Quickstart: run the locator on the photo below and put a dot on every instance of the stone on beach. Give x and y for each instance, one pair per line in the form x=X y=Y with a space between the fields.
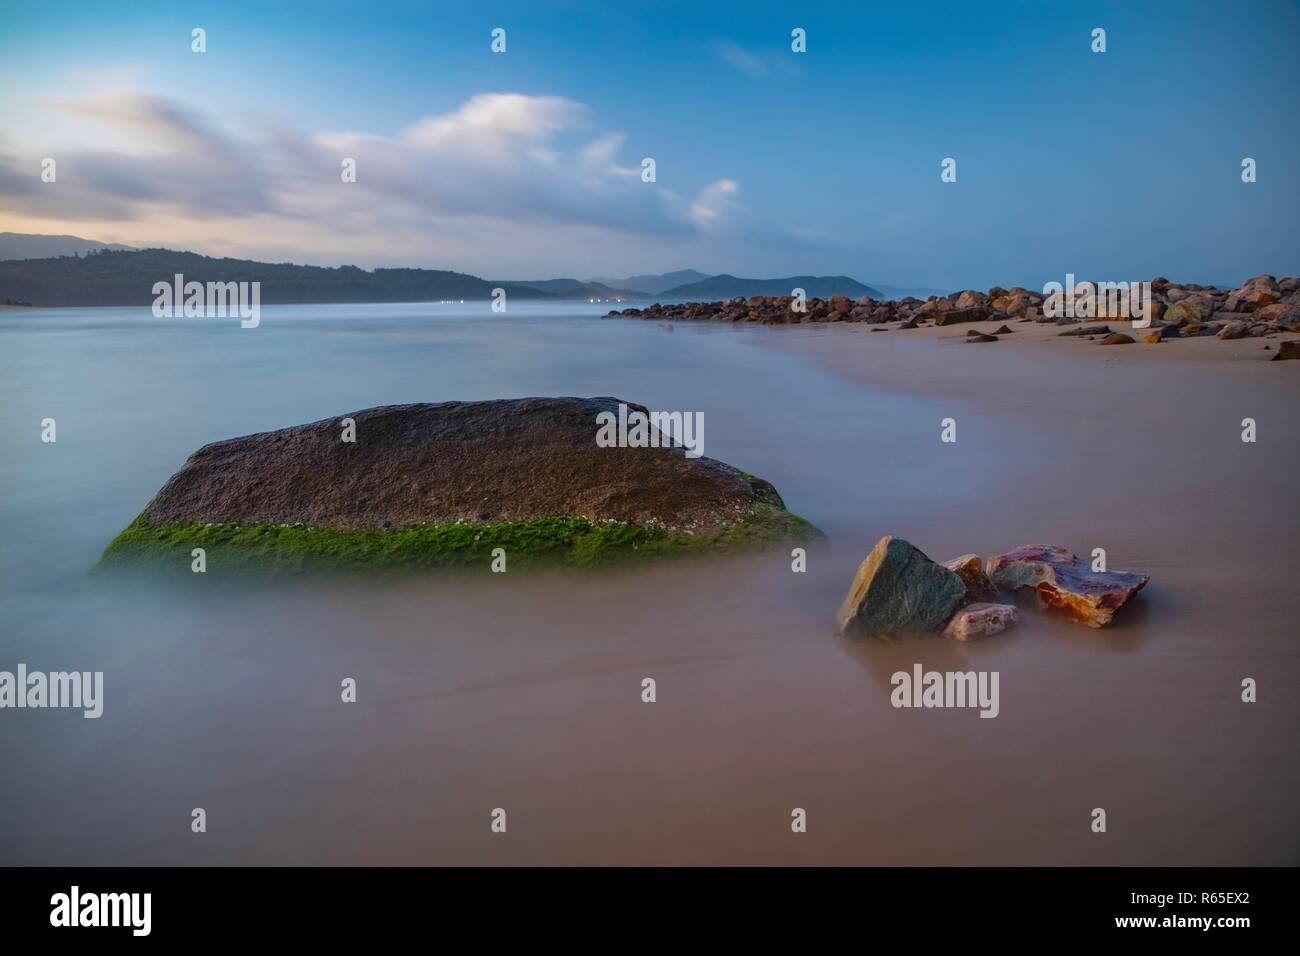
x=1064 y=583
x=450 y=474
x=899 y=592
x=954 y=316
x=970 y=568
x=1118 y=338
x=981 y=620
x=1287 y=350
x=1190 y=310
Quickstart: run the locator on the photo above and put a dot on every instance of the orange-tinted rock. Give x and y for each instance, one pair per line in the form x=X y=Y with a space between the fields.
x=970 y=568
x=1191 y=309
x=1064 y=583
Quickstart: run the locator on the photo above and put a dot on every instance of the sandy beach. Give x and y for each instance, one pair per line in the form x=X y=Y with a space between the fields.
x=522 y=692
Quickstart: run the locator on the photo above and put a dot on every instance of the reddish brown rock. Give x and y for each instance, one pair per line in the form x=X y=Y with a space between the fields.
x=954 y=316
x=1287 y=350
x=935 y=304
x=1064 y=583
x=981 y=620
x=1118 y=338
x=970 y=568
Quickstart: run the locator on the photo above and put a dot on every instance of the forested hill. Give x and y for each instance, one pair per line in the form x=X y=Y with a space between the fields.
x=127 y=278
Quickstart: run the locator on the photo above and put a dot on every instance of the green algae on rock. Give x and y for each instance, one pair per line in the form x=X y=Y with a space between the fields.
x=443 y=485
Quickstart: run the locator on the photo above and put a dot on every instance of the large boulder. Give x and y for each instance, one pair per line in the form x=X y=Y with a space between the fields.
x=899 y=592
x=434 y=484
x=1064 y=583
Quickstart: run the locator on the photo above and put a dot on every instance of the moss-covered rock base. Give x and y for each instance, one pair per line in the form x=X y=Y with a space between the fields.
x=273 y=550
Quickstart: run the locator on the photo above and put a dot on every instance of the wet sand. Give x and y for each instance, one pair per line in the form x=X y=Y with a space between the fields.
x=524 y=692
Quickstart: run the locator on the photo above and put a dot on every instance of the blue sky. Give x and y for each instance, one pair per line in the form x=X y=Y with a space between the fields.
x=1120 y=165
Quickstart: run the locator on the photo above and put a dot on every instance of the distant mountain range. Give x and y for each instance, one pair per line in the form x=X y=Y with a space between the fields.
x=82 y=272
x=24 y=245
x=726 y=287
x=574 y=289
x=127 y=278
x=688 y=284
x=654 y=284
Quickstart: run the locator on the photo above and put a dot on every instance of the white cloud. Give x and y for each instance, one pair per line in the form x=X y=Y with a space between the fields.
x=504 y=180
x=737 y=57
x=715 y=204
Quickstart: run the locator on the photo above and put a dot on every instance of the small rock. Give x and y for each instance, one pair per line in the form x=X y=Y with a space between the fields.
x=1002 y=330
x=1064 y=583
x=980 y=337
x=1118 y=338
x=1087 y=330
x=981 y=620
x=899 y=592
x=953 y=316
x=1287 y=350
x=970 y=568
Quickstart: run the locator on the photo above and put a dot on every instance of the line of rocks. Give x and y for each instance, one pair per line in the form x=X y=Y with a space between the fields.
x=899 y=592
x=1262 y=306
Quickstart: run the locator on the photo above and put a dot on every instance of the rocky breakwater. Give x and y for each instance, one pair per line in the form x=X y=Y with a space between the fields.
x=899 y=592
x=1261 y=307
x=436 y=485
